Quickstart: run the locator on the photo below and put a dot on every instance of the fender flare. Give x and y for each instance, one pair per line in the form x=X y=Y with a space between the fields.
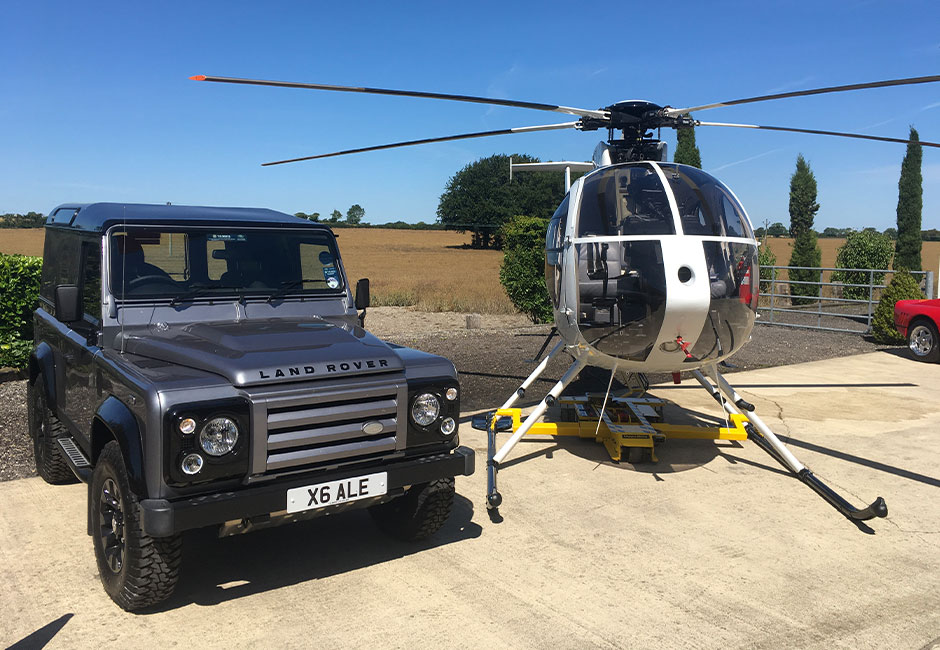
x=42 y=361
x=123 y=426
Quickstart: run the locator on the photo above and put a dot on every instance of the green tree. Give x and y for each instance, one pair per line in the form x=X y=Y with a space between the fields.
x=806 y=251
x=521 y=272
x=354 y=214
x=480 y=198
x=313 y=216
x=891 y=233
x=335 y=216
x=777 y=229
x=868 y=249
x=910 y=207
x=687 y=152
x=903 y=286
x=803 y=206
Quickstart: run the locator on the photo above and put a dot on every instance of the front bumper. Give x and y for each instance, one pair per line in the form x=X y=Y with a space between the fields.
x=161 y=517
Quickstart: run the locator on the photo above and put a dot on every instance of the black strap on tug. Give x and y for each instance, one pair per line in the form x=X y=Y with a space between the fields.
x=878 y=507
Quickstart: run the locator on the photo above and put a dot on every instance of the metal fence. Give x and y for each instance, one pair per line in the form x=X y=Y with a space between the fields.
x=829 y=309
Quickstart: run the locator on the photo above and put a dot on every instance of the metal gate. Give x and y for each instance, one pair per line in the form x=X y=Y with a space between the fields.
x=829 y=309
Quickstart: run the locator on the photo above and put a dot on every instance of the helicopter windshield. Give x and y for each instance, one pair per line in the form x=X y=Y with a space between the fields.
x=625 y=200
x=706 y=206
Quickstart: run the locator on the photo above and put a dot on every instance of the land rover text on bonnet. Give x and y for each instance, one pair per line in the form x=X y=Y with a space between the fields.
x=209 y=367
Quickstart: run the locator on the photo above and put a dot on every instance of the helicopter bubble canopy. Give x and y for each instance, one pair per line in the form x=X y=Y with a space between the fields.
x=651 y=263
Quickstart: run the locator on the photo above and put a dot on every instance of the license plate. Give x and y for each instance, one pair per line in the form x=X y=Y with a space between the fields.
x=332 y=493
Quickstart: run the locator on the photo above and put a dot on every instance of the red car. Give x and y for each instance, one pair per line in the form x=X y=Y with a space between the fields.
x=918 y=321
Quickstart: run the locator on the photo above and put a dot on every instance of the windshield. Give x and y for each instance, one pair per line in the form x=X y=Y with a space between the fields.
x=625 y=200
x=153 y=262
x=706 y=206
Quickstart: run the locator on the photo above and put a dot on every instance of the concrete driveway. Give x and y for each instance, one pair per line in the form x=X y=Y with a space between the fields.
x=714 y=547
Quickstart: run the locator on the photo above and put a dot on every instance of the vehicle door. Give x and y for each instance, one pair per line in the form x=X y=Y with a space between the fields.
x=81 y=344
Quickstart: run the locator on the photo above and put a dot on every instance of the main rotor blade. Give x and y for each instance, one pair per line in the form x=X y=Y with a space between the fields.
x=815 y=132
x=463 y=136
x=580 y=112
x=673 y=112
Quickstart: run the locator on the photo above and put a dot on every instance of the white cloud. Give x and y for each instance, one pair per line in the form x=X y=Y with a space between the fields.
x=744 y=160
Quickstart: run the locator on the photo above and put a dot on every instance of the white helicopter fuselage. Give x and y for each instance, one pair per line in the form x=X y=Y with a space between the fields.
x=652 y=267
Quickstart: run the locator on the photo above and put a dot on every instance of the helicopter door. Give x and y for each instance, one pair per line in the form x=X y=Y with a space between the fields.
x=620 y=274
x=554 y=252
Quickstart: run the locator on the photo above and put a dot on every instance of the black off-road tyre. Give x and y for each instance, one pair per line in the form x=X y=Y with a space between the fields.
x=418 y=513
x=44 y=428
x=923 y=340
x=137 y=570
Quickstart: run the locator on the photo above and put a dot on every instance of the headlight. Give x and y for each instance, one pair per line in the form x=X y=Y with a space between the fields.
x=191 y=464
x=218 y=436
x=425 y=409
x=448 y=426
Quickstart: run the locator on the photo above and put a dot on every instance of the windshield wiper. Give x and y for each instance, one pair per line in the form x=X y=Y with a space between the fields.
x=194 y=291
x=289 y=285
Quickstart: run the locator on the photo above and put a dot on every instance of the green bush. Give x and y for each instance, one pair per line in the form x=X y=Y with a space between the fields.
x=805 y=253
x=903 y=286
x=867 y=249
x=765 y=259
x=19 y=291
x=522 y=272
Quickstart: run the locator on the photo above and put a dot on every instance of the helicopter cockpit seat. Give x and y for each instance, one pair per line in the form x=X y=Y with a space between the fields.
x=692 y=225
x=599 y=268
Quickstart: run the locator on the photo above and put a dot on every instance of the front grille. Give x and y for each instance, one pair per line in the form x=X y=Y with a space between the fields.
x=316 y=424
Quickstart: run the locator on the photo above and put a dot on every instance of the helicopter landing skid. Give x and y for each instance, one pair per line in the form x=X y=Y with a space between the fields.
x=761 y=434
x=632 y=422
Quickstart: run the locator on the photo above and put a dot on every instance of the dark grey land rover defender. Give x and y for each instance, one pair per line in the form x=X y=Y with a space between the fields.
x=208 y=367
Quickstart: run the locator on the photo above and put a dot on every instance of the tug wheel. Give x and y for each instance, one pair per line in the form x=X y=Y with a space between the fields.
x=494 y=500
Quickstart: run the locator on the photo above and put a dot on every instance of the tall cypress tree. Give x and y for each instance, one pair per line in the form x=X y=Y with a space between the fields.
x=687 y=152
x=803 y=208
x=910 y=207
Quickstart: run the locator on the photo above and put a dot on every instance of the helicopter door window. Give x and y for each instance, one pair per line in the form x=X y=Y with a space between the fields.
x=554 y=239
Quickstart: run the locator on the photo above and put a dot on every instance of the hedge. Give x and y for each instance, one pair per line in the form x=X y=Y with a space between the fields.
x=19 y=292
x=522 y=273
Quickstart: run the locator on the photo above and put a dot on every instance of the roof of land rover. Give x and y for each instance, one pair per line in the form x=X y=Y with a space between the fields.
x=98 y=217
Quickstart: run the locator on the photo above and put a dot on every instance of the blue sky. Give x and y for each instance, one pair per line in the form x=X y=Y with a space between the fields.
x=97 y=105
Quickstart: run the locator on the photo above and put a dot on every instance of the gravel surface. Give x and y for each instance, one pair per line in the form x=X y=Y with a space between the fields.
x=492 y=361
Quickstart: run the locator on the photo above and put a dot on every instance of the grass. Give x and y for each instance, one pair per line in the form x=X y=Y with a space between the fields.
x=432 y=270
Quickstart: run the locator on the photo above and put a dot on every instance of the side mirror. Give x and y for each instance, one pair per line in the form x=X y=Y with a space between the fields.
x=68 y=303
x=362 y=293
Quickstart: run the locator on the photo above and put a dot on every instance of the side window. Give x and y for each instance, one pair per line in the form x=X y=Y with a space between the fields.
x=60 y=261
x=63 y=216
x=91 y=279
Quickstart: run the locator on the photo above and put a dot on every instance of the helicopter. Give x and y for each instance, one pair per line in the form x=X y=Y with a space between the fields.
x=651 y=266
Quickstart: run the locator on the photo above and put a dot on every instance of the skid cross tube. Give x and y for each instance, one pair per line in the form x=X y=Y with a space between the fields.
x=494 y=458
x=761 y=434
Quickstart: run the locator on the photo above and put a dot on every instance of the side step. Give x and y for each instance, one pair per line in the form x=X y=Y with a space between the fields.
x=75 y=458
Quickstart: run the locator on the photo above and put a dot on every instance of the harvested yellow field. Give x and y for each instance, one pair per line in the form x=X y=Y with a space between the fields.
x=22 y=241
x=782 y=247
x=427 y=268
